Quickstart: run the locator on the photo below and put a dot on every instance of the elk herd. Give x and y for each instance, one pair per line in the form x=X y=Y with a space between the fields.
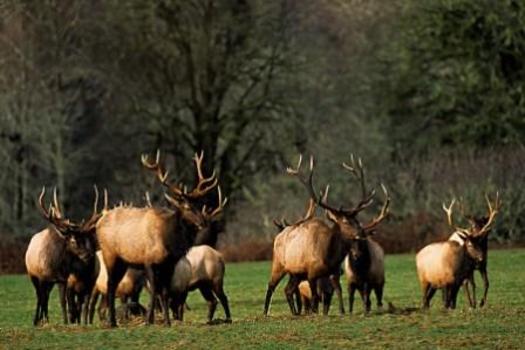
x=119 y=251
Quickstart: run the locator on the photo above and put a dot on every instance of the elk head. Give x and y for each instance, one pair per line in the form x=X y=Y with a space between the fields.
x=479 y=226
x=185 y=201
x=345 y=218
x=79 y=237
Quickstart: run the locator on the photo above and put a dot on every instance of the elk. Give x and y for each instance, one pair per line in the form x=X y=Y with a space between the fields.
x=63 y=248
x=303 y=294
x=447 y=264
x=312 y=249
x=202 y=268
x=128 y=289
x=476 y=224
x=365 y=263
x=151 y=238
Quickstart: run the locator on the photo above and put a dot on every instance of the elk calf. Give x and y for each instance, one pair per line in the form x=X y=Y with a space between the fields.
x=202 y=268
x=447 y=264
x=56 y=252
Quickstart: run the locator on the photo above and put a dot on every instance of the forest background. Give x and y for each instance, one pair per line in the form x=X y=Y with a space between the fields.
x=429 y=93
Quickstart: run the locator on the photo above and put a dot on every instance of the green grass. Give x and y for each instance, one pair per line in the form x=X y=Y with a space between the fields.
x=499 y=325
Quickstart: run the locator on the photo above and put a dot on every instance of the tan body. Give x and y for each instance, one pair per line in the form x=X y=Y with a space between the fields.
x=48 y=261
x=201 y=268
x=143 y=238
x=365 y=271
x=129 y=288
x=445 y=265
x=309 y=250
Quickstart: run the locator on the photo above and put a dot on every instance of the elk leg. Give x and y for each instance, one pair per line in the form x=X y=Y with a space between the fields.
x=115 y=274
x=453 y=295
x=291 y=287
x=274 y=281
x=218 y=289
x=378 y=290
x=315 y=295
x=428 y=293
x=102 y=307
x=327 y=299
x=351 y=295
x=71 y=305
x=49 y=287
x=336 y=284
x=62 y=293
x=153 y=286
x=207 y=294
x=470 y=297
x=299 y=301
x=85 y=307
x=485 y=276
x=92 y=303
x=38 y=292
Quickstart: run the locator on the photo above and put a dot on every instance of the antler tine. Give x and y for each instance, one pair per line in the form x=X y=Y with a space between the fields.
x=358 y=171
x=46 y=213
x=493 y=211
x=105 y=200
x=219 y=208
x=56 y=204
x=205 y=184
x=382 y=214
x=162 y=174
x=448 y=210
x=148 y=199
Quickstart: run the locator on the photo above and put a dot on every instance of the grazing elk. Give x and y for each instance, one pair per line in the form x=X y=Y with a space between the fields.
x=128 y=290
x=151 y=237
x=202 y=268
x=312 y=249
x=63 y=248
x=447 y=264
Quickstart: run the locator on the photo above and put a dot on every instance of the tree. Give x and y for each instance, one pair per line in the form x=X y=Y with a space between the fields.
x=456 y=74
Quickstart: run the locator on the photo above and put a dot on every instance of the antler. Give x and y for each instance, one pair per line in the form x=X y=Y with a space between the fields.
x=53 y=214
x=382 y=215
x=448 y=210
x=162 y=174
x=358 y=171
x=92 y=221
x=215 y=212
x=493 y=211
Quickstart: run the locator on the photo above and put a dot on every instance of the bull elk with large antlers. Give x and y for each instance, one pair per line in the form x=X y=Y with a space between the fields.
x=312 y=249
x=447 y=264
x=152 y=238
x=53 y=254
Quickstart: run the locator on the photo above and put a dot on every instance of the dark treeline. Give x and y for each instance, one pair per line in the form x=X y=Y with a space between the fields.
x=429 y=93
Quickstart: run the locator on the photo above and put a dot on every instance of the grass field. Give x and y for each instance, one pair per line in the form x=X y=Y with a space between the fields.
x=499 y=325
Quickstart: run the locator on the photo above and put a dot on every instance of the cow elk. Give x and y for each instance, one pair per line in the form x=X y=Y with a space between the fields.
x=447 y=264
x=312 y=249
x=151 y=237
x=202 y=268
x=63 y=248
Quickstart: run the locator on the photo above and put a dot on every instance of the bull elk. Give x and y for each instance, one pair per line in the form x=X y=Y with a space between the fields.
x=447 y=264
x=63 y=248
x=312 y=249
x=151 y=237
